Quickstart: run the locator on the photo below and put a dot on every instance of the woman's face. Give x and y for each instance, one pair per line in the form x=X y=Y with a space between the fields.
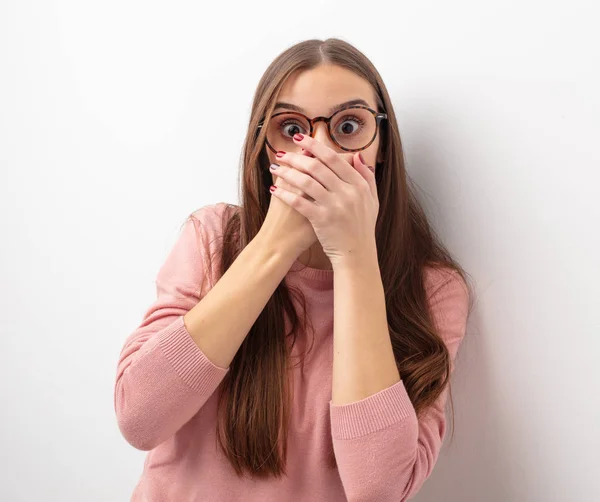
x=316 y=91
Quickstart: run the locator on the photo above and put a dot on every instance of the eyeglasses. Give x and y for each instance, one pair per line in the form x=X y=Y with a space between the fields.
x=352 y=129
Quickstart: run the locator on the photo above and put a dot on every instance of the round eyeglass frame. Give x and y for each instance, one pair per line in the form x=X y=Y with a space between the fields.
x=379 y=116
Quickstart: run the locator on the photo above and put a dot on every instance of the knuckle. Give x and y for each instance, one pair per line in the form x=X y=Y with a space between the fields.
x=364 y=187
x=330 y=156
x=348 y=192
x=314 y=163
x=303 y=182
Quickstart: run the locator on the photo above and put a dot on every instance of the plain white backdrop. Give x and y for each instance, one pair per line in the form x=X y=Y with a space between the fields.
x=117 y=119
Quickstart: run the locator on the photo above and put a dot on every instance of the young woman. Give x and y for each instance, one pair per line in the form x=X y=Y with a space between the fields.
x=301 y=344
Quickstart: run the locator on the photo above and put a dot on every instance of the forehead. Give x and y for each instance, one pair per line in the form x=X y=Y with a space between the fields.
x=318 y=89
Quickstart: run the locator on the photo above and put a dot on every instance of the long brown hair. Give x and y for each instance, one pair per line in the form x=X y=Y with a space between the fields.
x=253 y=412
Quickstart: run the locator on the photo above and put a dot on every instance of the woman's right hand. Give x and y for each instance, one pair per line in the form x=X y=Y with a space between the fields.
x=284 y=223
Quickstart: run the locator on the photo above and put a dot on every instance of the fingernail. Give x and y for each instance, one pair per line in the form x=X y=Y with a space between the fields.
x=272 y=188
x=280 y=153
x=274 y=166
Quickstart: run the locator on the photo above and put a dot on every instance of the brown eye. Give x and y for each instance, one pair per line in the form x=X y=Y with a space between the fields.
x=289 y=128
x=350 y=124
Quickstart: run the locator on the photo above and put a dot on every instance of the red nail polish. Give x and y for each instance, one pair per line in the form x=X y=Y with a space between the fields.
x=272 y=188
x=280 y=153
x=298 y=136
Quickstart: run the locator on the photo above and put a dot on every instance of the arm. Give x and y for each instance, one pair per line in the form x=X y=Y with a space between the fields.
x=383 y=452
x=176 y=358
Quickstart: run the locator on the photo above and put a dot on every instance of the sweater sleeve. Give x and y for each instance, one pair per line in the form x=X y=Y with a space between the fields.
x=163 y=377
x=384 y=453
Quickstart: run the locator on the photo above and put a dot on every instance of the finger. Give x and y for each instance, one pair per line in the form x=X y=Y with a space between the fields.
x=300 y=204
x=307 y=154
x=289 y=187
x=328 y=157
x=367 y=172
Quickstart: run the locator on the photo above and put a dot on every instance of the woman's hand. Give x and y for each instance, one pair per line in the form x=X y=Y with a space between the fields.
x=288 y=227
x=346 y=205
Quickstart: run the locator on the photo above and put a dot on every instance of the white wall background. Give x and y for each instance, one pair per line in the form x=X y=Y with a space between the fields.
x=118 y=118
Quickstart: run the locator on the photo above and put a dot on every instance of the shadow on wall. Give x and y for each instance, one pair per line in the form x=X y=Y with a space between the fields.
x=479 y=463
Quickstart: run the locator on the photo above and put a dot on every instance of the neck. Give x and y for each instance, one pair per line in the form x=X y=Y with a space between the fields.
x=315 y=257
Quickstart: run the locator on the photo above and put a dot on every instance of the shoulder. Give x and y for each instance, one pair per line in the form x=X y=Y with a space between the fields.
x=448 y=301
x=196 y=254
x=211 y=218
x=441 y=281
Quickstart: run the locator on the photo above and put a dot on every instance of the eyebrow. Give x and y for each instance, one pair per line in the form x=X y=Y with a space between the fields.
x=332 y=110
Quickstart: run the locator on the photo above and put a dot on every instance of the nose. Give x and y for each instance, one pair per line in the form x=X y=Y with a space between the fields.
x=321 y=134
x=320 y=131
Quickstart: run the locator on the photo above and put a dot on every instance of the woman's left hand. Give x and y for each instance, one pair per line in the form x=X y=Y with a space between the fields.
x=346 y=205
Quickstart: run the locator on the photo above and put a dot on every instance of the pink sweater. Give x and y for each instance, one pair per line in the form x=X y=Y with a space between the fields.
x=165 y=399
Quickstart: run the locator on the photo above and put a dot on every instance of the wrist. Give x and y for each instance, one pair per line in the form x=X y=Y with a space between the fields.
x=277 y=244
x=363 y=258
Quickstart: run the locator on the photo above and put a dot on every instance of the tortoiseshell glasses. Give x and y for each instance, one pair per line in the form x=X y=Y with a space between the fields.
x=353 y=128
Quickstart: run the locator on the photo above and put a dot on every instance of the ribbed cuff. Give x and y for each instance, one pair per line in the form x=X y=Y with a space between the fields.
x=372 y=413
x=190 y=363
